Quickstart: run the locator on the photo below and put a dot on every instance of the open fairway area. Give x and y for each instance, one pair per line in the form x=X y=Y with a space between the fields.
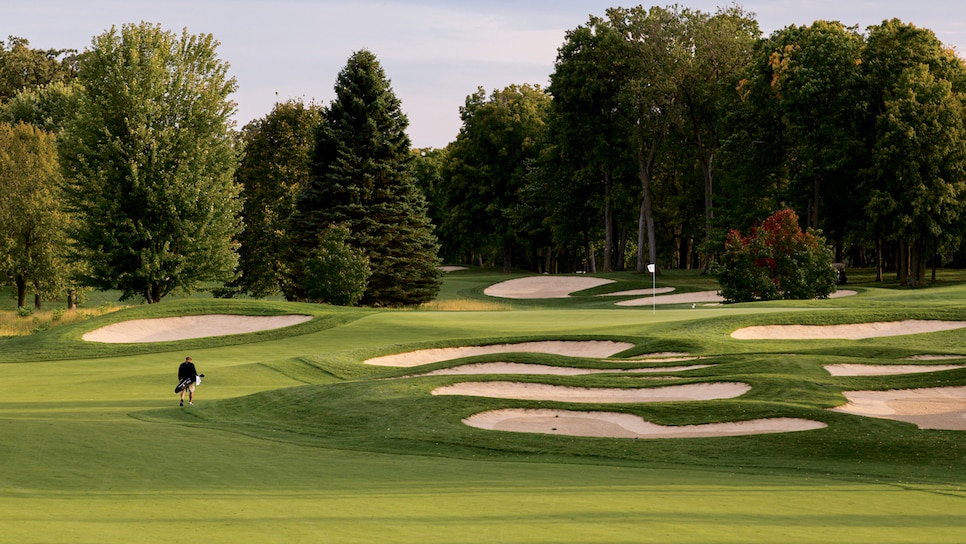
x=309 y=430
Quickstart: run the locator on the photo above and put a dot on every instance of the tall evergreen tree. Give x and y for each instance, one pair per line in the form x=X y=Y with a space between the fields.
x=363 y=180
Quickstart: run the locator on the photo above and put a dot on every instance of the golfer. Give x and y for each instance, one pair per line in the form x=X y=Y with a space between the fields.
x=187 y=370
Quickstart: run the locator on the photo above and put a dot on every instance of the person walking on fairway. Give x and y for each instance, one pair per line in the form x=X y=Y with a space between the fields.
x=187 y=371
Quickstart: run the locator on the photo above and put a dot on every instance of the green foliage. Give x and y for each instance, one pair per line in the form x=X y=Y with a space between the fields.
x=33 y=223
x=777 y=261
x=336 y=273
x=24 y=68
x=363 y=180
x=49 y=107
x=918 y=182
x=486 y=169
x=149 y=159
x=275 y=166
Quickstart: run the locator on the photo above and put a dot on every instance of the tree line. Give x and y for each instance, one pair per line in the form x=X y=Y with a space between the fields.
x=662 y=130
x=120 y=170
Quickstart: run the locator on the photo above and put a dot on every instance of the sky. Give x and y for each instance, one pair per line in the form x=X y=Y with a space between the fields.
x=434 y=52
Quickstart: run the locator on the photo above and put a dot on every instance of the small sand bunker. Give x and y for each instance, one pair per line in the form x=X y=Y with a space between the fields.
x=548 y=370
x=533 y=287
x=884 y=370
x=591 y=348
x=167 y=329
x=602 y=395
x=932 y=357
x=639 y=292
x=664 y=357
x=617 y=425
x=855 y=331
x=681 y=298
x=449 y=268
x=929 y=408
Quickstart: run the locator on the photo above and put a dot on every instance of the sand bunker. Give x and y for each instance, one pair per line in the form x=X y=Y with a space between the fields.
x=167 y=329
x=639 y=292
x=682 y=298
x=543 y=286
x=548 y=370
x=929 y=408
x=593 y=348
x=602 y=395
x=885 y=370
x=855 y=331
x=932 y=357
x=452 y=268
x=617 y=425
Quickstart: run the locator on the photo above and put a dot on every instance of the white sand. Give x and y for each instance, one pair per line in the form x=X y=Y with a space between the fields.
x=533 y=287
x=639 y=292
x=452 y=268
x=617 y=425
x=195 y=326
x=884 y=370
x=929 y=408
x=933 y=357
x=592 y=348
x=548 y=370
x=855 y=331
x=547 y=392
x=682 y=298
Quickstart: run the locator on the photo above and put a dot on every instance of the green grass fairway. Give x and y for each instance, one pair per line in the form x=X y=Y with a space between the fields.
x=294 y=439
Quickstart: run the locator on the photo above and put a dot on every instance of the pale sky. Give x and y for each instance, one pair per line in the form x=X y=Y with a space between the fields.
x=435 y=52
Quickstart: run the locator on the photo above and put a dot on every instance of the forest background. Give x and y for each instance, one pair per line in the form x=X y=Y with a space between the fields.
x=662 y=130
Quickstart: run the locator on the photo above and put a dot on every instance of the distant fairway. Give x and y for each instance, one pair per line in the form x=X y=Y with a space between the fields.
x=294 y=439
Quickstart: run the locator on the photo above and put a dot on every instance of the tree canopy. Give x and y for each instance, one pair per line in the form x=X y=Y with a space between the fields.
x=149 y=160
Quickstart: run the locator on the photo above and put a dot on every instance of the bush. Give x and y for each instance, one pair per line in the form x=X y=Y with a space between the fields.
x=777 y=261
x=336 y=273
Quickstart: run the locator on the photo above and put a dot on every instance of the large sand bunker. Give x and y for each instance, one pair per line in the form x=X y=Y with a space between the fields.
x=602 y=395
x=617 y=425
x=166 y=329
x=592 y=348
x=929 y=408
x=854 y=331
x=533 y=287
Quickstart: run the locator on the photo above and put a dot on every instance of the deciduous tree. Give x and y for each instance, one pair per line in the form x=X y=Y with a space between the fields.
x=275 y=167
x=149 y=159
x=487 y=167
x=33 y=225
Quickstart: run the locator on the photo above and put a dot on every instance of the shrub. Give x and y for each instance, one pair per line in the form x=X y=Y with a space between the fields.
x=777 y=261
x=336 y=273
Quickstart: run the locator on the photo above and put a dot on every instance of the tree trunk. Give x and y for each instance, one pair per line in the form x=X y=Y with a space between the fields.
x=813 y=213
x=507 y=257
x=708 y=208
x=646 y=219
x=71 y=299
x=878 y=259
x=608 y=223
x=38 y=301
x=21 y=292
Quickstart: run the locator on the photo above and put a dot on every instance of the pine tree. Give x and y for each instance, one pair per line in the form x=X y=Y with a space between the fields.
x=363 y=180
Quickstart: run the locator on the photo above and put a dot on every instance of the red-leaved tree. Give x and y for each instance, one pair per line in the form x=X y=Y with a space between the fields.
x=776 y=261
